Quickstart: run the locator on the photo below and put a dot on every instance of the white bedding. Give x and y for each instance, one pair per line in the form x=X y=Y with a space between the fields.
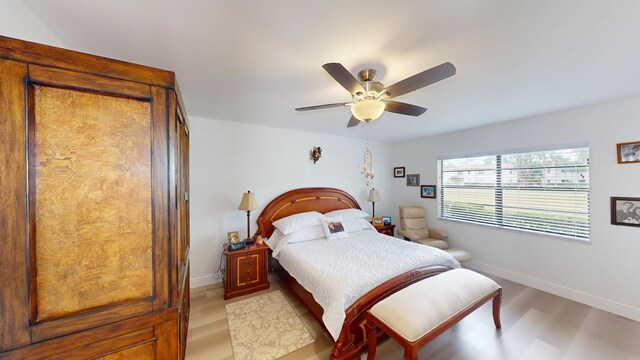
x=339 y=272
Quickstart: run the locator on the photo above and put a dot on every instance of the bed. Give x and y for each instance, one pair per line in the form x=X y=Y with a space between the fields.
x=404 y=266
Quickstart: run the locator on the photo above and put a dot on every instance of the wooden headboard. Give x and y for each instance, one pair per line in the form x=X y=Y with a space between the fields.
x=301 y=200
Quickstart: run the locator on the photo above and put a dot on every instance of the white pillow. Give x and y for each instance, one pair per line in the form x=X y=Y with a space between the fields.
x=334 y=229
x=306 y=234
x=299 y=221
x=354 y=225
x=278 y=240
x=346 y=214
x=275 y=239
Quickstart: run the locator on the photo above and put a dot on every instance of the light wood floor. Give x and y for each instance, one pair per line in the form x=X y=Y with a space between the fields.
x=535 y=325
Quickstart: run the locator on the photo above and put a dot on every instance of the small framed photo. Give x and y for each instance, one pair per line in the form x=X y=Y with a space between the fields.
x=386 y=220
x=413 y=179
x=629 y=152
x=233 y=237
x=625 y=211
x=428 y=191
x=377 y=221
x=398 y=172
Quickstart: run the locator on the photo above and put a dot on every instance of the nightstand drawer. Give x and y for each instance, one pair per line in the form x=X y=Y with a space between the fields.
x=246 y=270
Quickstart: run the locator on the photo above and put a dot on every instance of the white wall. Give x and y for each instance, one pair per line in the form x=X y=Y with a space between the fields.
x=229 y=158
x=604 y=273
x=17 y=21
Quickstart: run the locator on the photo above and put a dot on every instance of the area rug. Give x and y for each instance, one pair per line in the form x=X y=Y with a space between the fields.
x=265 y=327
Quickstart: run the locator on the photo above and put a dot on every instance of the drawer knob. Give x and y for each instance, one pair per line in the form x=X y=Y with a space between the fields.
x=248 y=271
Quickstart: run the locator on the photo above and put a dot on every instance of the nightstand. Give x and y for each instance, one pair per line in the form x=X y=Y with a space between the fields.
x=246 y=270
x=386 y=229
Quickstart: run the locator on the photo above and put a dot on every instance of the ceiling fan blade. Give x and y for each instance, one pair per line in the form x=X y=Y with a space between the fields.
x=344 y=77
x=404 y=108
x=421 y=80
x=325 y=106
x=353 y=122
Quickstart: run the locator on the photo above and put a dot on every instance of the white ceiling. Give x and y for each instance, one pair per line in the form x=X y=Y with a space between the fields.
x=255 y=61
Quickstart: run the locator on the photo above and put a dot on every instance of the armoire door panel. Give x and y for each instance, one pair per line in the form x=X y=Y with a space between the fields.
x=173 y=190
x=138 y=345
x=160 y=186
x=146 y=351
x=63 y=326
x=183 y=190
x=101 y=340
x=13 y=210
x=184 y=198
x=91 y=200
x=185 y=310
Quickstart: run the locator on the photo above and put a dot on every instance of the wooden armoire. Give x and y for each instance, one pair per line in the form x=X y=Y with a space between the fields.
x=94 y=207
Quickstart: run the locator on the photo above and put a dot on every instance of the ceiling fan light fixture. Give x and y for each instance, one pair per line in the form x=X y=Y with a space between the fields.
x=367 y=109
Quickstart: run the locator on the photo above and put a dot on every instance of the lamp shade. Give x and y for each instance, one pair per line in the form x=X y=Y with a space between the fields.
x=367 y=109
x=248 y=202
x=373 y=196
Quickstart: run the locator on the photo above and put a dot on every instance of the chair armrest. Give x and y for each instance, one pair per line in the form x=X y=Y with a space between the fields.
x=437 y=234
x=408 y=234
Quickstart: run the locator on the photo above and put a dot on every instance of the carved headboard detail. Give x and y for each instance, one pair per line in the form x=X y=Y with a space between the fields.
x=301 y=200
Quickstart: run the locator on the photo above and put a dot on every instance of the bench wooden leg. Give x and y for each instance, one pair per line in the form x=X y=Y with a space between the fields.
x=371 y=337
x=497 y=301
x=411 y=352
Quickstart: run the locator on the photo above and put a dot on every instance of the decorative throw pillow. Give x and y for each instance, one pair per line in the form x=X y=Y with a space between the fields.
x=334 y=229
x=347 y=214
x=299 y=221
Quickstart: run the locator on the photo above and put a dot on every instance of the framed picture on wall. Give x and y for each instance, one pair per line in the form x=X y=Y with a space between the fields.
x=398 y=172
x=625 y=211
x=413 y=179
x=629 y=152
x=428 y=191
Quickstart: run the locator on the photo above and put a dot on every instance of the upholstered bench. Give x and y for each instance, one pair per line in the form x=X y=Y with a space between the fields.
x=420 y=312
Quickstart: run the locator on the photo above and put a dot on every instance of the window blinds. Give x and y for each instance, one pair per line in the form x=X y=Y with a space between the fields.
x=542 y=191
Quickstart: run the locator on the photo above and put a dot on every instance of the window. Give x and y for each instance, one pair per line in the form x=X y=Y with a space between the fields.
x=544 y=191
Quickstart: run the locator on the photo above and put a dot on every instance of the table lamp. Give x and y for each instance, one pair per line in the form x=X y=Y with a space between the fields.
x=248 y=203
x=373 y=197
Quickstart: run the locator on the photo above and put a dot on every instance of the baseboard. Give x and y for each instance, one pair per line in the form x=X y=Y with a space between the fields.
x=203 y=281
x=623 y=310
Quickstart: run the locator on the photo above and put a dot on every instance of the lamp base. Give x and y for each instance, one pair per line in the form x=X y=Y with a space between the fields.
x=249 y=240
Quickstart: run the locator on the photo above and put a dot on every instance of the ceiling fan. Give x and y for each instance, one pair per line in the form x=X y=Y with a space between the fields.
x=371 y=98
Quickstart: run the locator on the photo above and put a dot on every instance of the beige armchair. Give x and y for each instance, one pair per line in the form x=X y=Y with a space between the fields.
x=413 y=226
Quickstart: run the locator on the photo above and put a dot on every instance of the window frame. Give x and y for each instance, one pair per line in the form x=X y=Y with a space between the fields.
x=499 y=154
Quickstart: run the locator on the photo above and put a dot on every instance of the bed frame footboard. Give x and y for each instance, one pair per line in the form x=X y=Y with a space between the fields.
x=353 y=336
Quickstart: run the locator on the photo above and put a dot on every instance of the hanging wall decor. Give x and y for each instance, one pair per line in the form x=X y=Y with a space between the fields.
x=367 y=167
x=413 y=179
x=315 y=154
